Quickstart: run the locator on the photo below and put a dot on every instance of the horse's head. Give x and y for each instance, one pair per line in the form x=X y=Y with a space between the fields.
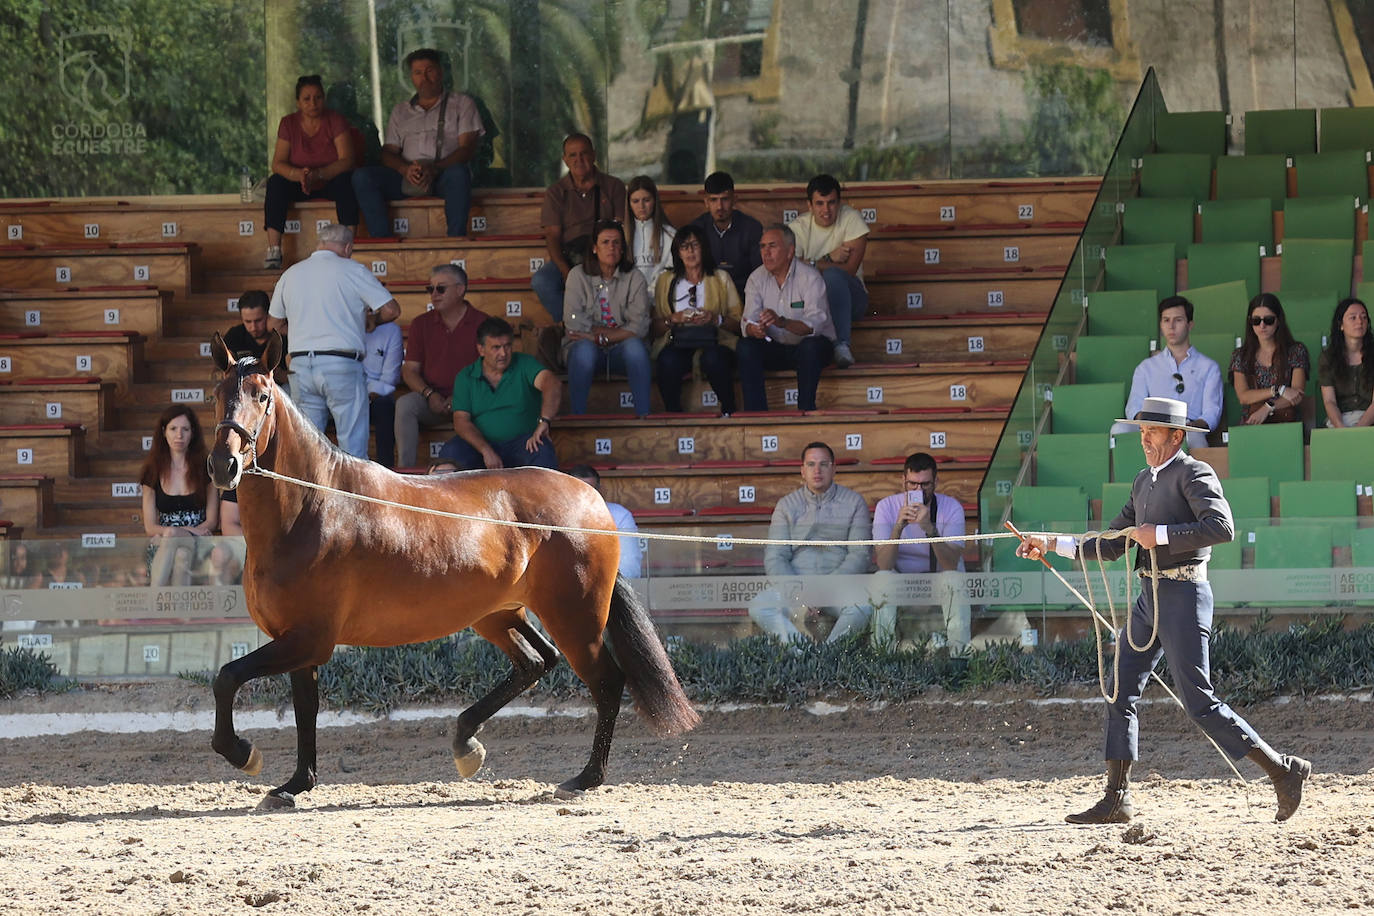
x=244 y=401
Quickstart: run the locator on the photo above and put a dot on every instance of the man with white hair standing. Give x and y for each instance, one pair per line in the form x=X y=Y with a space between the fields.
x=322 y=300
x=1176 y=509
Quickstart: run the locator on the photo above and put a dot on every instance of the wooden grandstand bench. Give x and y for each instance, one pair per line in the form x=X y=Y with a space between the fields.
x=173 y=267
x=82 y=400
x=114 y=308
x=26 y=501
x=114 y=356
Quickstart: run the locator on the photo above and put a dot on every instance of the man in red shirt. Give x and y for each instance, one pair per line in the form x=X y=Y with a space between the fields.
x=440 y=342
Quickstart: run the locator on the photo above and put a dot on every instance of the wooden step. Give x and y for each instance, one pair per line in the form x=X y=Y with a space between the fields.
x=901 y=293
x=859 y=387
x=26 y=501
x=136 y=309
x=961 y=337
x=86 y=403
x=175 y=268
x=696 y=438
x=56 y=449
x=115 y=359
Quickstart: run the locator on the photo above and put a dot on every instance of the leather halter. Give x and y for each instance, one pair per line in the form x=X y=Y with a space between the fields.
x=252 y=436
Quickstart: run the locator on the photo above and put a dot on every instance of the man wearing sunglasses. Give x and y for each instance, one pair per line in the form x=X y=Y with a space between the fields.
x=1177 y=370
x=441 y=341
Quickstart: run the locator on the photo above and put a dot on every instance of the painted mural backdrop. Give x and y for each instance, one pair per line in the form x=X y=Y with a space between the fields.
x=127 y=97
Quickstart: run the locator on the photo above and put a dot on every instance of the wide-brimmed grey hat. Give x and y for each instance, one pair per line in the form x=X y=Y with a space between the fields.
x=1162 y=412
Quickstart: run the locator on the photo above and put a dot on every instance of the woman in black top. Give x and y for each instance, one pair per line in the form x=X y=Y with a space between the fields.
x=179 y=504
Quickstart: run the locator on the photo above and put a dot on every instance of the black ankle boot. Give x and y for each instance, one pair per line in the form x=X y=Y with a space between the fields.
x=1115 y=807
x=1288 y=787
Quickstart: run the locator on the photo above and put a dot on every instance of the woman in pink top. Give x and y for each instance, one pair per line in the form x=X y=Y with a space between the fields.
x=314 y=158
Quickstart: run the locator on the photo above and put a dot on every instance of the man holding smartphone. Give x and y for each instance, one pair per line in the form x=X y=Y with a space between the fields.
x=919 y=512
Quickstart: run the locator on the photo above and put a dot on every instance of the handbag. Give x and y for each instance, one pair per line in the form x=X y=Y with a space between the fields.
x=575 y=250
x=692 y=337
x=410 y=188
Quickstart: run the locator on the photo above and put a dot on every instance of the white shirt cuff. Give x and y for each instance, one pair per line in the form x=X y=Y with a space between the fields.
x=1066 y=546
x=1161 y=534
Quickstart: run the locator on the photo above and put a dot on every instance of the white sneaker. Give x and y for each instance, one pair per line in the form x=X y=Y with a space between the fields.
x=843 y=357
x=273 y=259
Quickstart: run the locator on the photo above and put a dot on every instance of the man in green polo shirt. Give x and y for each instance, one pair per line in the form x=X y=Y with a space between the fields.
x=503 y=405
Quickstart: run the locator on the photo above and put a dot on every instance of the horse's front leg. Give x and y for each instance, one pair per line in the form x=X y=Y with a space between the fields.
x=275 y=657
x=305 y=697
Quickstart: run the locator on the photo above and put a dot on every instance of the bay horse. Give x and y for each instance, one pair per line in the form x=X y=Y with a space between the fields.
x=323 y=570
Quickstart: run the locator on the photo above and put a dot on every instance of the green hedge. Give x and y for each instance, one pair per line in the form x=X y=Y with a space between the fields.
x=1248 y=665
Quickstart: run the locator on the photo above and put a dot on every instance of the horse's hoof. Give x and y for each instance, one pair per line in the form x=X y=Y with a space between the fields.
x=567 y=792
x=254 y=765
x=277 y=802
x=469 y=763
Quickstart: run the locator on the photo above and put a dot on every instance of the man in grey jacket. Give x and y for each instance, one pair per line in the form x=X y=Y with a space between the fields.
x=1177 y=509
x=821 y=510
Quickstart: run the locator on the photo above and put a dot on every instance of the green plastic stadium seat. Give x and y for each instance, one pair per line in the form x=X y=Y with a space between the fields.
x=1221 y=262
x=1103 y=358
x=1127 y=312
x=1346 y=129
x=1217 y=347
x=1249 y=499
x=1293 y=547
x=1114 y=496
x=1286 y=131
x=1219 y=309
x=1085 y=408
x=1319 y=217
x=1186 y=175
x=1312 y=339
x=1329 y=174
x=1332 y=501
x=1273 y=451
x=1247 y=177
x=1362 y=548
x=1243 y=220
x=1142 y=267
x=1309 y=313
x=1341 y=454
x=1315 y=264
x=1225 y=556
x=1046 y=509
x=1128 y=458
x=1191 y=132
x=1166 y=219
x=1072 y=459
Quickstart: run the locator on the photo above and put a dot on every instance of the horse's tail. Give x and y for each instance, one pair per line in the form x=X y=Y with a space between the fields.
x=658 y=696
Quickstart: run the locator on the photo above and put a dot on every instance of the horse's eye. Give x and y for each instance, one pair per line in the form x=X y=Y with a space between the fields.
x=262 y=398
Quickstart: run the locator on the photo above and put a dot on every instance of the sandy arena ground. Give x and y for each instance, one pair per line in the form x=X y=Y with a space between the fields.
x=925 y=808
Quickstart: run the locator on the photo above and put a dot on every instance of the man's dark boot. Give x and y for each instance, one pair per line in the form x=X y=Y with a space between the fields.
x=1287 y=773
x=1115 y=806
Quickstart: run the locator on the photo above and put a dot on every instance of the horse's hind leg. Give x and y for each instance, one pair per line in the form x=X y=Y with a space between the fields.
x=531 y=655
x=305 y=697
x=603 y=677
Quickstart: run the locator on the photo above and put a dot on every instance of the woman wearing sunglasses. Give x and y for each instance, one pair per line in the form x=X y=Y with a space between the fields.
x=1346 y=370
x=696 y=310
x=1270 y=368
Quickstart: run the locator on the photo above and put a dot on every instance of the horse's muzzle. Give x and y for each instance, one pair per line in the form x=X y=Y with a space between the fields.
x=226 y=468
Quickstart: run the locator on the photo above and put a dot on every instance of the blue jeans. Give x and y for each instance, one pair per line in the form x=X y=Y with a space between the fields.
x=381 y=412
x=325 y=386
x=547 y=283
x=848 y=300
x=630 y=358
x=512 y=453
x=375 y=185
x=808 y=357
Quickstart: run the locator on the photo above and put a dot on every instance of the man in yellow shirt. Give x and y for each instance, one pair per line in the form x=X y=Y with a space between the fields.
x=832 y=238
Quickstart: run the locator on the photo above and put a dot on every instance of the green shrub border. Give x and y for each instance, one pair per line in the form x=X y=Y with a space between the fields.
x=1248 y=665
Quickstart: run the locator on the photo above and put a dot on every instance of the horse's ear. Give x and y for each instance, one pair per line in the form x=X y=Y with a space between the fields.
x=271 y=354
x=219 y=351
